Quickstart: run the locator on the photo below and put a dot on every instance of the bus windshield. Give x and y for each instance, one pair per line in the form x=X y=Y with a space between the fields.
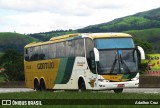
x=112 y=43
x=117 y=56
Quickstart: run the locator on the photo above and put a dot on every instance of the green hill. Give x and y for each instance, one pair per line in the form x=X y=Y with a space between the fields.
x=149 y=35
x=139 y=21
x=14 y=41
x=153 y=14
x=48 y=35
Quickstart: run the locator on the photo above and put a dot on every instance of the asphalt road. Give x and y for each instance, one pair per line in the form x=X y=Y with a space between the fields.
x=126 y=90
x=12 y=90
x=142 y=90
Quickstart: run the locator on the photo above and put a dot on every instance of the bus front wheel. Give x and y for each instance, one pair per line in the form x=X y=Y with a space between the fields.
x=81 y=85
x=42 y=85
x=118 y=90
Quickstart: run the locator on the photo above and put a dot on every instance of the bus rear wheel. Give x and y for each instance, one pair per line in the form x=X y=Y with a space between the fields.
x=42 y=85
x=81 y=85
x=36 y=85
x=118 y=90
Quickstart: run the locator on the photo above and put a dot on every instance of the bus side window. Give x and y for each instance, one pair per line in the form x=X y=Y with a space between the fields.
x=52 y=50
x=44 y=54
x=26 y=51
x=79 y=47
x=92 y=61
x=70 y=48
x=36 y=53
x=31 y=54
x=61 y=49
x=26 y=55
x=89 y=45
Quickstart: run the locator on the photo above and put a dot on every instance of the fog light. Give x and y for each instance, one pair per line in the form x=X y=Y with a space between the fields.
x=101 y=80
x=100 y=85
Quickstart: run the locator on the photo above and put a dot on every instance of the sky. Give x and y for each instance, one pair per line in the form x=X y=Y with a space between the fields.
x=34 y=16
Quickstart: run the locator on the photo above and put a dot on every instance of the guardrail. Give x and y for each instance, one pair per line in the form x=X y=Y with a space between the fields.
x=149 y=82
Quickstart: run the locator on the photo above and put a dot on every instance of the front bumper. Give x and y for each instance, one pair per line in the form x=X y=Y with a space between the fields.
x=116 y=85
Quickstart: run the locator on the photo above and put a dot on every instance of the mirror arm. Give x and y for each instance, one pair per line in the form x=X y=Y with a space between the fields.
x=141 y=52
x=96 y=52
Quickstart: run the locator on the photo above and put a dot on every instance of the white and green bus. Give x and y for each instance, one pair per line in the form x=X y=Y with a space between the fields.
x=87 y=61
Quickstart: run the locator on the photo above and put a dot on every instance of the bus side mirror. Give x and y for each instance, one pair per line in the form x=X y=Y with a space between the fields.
x=142 y=53
x=96 y=53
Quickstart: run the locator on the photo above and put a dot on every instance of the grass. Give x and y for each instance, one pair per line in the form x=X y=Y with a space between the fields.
x=76 y=95
x=81 y=95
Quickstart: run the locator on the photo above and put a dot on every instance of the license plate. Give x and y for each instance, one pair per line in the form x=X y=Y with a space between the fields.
x=121 y=85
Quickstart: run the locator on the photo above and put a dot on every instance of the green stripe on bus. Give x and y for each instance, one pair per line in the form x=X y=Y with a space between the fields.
x=129 y=76
x=132 y=75
x=61 y=70
x=65 y=70
x=125 y=76
x=68 y=70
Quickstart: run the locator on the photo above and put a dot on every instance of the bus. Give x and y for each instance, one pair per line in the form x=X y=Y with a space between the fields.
x=83 y=61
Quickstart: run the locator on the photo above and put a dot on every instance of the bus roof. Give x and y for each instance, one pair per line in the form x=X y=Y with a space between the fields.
x=91 y=35
x=80 y=35
x=107 y=35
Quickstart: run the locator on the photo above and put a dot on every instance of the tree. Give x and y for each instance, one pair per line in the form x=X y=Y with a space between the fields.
x=12 y=62
x=148 y=47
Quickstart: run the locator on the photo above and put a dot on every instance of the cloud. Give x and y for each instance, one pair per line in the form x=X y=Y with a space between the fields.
x=102 y=4
x=30 y=16
x=65 y=7
x=46 y=21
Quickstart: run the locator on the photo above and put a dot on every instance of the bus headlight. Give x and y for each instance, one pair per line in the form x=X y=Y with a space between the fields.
x=103 y=80
x=100 y=80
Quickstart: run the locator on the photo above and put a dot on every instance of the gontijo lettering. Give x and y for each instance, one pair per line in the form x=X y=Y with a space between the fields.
x=45 y=65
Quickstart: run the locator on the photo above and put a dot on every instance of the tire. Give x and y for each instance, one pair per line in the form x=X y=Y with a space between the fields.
x=118 y=90
x=36 y=85
x=81 y=84
x=42 y=86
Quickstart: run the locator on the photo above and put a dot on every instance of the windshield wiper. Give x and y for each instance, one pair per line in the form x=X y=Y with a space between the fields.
x=123 y=61
x=120 y=61
x=114 y=63
x=125 y=64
